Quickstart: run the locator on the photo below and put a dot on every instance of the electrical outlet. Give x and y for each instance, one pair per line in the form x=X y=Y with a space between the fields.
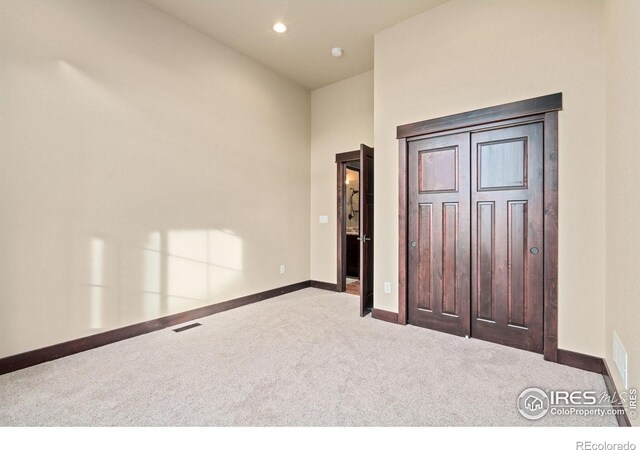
x=283 y=268
x=387 y=287
x=324 y=219
x=620 y=358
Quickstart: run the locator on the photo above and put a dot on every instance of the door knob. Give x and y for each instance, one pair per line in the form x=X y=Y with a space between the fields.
x=364 y=238
x=534 y=250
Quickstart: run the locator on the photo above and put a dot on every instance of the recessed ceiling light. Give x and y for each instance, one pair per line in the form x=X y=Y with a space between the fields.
x=279 y=27
x=337 y=52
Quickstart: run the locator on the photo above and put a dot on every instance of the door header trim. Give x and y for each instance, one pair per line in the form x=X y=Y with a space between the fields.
x=348 y=156
x=523 y=108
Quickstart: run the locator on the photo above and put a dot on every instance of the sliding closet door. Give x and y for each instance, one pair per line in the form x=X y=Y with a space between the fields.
x=439 y=234
x=507 y=236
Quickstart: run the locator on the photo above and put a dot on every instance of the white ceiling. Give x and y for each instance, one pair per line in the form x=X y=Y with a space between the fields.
x=303 y=53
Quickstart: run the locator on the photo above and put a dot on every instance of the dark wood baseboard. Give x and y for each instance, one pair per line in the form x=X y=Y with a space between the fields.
x=39 y=356
x=621 y=416
x=323 y=285
x=387 y=316
x=596 y=365
x=580 y=361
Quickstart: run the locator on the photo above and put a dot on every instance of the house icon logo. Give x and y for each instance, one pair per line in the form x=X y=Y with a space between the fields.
x=533 y=403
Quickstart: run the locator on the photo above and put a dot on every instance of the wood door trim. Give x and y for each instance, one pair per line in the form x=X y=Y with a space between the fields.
x=485 y=127
x=403 y=225
x=508 y=114
x=348 y=156
x=341 y=281
x=386 y=316
x=341 y=160
x=529 y=107
x=550 y=194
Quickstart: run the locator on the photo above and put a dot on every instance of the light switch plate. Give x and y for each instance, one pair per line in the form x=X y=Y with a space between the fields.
x=324 y=219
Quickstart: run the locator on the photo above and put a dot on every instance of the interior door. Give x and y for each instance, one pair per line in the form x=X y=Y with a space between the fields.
x=507 y=236
x=366 y=229
x=439 y=234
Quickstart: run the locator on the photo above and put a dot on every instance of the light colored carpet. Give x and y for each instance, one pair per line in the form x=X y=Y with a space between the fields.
x=305 y=358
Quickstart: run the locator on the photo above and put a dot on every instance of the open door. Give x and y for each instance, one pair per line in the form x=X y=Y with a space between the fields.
x=366 y=229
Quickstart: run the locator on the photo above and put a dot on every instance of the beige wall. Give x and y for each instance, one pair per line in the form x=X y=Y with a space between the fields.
x=341 y=120
x=137 y=162
x=623 y=185
x=469 y=54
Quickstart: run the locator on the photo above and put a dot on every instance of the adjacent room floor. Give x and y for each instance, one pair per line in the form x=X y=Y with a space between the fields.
x=305 y=358
x=353 y=286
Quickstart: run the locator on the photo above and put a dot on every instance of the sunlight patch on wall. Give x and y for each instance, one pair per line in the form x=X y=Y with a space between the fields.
x=151 y=301
x=225 y=250
x=190 y=244
x=187 y=278
x=196 y=268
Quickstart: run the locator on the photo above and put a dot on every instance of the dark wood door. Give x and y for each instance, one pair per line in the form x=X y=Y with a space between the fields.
x=366 y=229
x=507 y=236
x=439 y=234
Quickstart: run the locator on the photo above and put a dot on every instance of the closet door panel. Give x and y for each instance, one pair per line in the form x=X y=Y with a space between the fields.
x=507 y=236
x=439 y=234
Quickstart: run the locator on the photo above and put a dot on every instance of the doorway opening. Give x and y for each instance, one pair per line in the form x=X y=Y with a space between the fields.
x=355 y=225
x=352 y=227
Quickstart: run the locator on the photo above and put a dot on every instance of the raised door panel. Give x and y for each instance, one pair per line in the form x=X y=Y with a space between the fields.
x=425 y=256
x=502 y=165
x=517 y=263
x=485 y=258
x=450 y=261
x=438 y=170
